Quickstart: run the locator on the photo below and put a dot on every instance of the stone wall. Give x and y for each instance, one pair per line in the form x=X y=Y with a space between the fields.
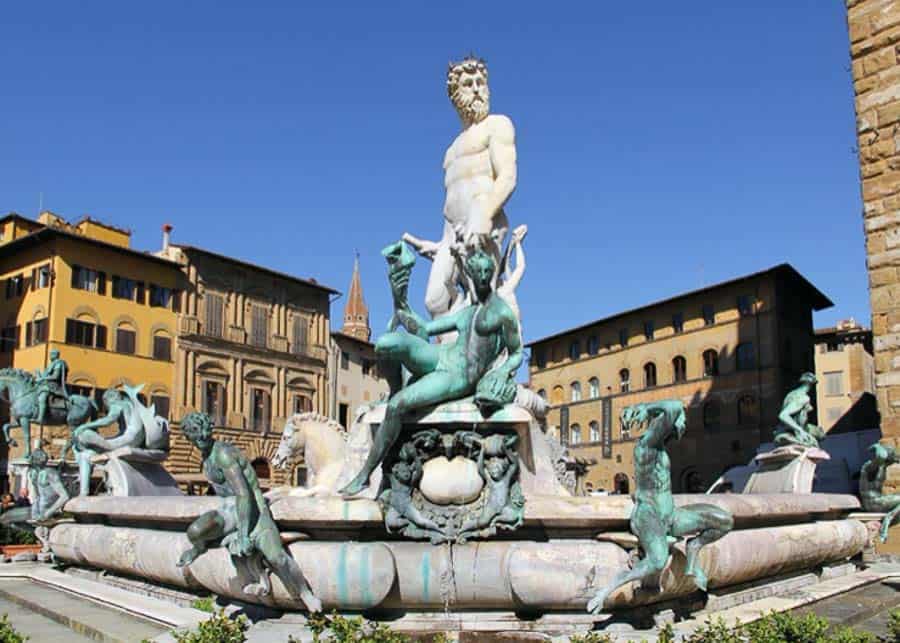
x=874 y=28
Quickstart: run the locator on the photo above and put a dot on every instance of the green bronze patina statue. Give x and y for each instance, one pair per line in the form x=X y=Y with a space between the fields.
x=443 y=372
x=244 y=523
x=655 y=517
x=41 y=399
x=871 y=483
x=51 y=381
x=51 y=494
x=793 y=427
x=143 y=431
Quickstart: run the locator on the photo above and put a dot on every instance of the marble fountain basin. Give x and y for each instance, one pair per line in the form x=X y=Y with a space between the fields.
x=568 y=548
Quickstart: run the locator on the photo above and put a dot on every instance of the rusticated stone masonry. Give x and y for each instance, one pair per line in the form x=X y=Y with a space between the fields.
x=874 y=29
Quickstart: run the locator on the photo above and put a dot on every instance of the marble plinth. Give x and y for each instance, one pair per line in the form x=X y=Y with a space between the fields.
x=536 y=473
x=788 y=469
x=136 y=472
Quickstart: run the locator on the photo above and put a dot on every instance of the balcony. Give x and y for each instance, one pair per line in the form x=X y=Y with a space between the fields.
x=314 y=351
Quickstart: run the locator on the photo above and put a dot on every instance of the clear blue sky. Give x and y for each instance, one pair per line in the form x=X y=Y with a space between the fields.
x=662 y=145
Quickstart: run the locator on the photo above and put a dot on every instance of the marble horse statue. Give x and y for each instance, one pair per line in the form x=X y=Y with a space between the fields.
x=655 y=518
x=23 y=391
x=323 y=443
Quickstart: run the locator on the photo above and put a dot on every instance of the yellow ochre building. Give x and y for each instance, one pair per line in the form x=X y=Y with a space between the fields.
x=110 y=310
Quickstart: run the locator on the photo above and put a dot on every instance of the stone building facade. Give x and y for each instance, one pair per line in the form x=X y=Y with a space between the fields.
x=729 y=351
x=81 y=289
x=845 y=368
x=251 y=350
x=874 y=31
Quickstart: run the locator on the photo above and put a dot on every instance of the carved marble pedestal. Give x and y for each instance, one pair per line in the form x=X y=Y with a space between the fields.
x=786 y=470
x=136 y=472
x=455 y=474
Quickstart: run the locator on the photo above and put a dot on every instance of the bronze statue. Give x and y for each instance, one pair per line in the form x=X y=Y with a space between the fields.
x=244 y=523
x=871 y=482
x=443 y=372
x=655 y=517
x=793 y=427
x=51 y=381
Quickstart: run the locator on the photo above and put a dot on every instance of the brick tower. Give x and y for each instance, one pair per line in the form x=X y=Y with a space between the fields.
x=356 y=313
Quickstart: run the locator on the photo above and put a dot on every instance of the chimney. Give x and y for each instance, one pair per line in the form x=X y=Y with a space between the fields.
x=167 y=233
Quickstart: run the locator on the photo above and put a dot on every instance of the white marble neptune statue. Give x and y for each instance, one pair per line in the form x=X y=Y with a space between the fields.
x=479 y=176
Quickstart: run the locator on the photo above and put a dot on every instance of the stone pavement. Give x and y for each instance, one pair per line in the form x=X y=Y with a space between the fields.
x=866 y=608
x=37 y=627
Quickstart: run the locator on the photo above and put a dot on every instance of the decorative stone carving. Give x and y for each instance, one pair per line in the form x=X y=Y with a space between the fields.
x=788 y=469
x=449 y=487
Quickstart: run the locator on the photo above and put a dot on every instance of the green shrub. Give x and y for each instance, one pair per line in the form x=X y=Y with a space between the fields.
x=217 y=629
x=340 y=629
x=206 y=604
x=717 y=631
x=591 y=637
x=779 y=627
x=8 y=633
x=894 y=626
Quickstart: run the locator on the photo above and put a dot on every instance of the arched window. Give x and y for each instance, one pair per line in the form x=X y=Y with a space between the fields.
x=593 y=345
x=557 y=396
x=711 y=416
x=594 y=386
x=542 y=393
x=624 y=380
x=710 y=363
x=679 y=369
x=575 y=391
x=594 y=431
x=620 y=484
x=302 y=403
x=575 y=350
x=261 y=468
x=649 y=375
x=162 y=346
x=564 y=435
x=126 y=338
x=575 y=434
x=748 y=411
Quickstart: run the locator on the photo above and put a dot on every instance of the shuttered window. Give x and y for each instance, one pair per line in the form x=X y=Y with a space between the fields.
x=215 y=308
x=162 y=348
x=82 y=333
x=260 y=331
x=259 y=412
x=125 y=341
x=301 y=334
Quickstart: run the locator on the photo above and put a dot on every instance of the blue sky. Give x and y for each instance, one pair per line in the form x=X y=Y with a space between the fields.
x=662 y=146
